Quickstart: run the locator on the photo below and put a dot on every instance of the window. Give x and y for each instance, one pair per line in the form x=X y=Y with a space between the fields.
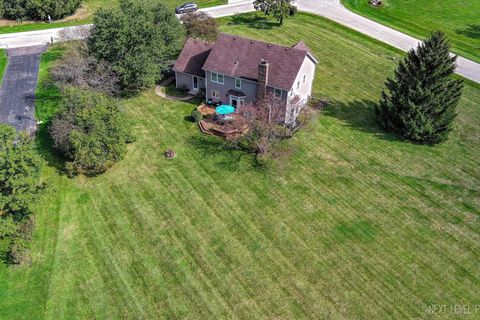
x=217 y=77
x=298 y=84
x=304 y=78
x=215 y=94
x=277 y=93
x=238 y=83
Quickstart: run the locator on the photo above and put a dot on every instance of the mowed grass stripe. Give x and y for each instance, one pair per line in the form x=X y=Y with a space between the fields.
x=353 y=224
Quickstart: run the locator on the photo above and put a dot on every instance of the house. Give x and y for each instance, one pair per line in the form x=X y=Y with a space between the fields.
x=237 y=71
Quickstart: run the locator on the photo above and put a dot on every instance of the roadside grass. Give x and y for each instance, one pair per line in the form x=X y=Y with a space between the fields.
x=3 y=63
x=84 y=15
x=354 y=224
x=459 y=19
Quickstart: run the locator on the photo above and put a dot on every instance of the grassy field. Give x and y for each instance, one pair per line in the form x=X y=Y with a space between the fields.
x=84 y=15
x=355 y=224
x=3 y=63
x=459 y=19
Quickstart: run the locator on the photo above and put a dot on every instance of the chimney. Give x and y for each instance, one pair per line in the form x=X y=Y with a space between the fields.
x=262 y=79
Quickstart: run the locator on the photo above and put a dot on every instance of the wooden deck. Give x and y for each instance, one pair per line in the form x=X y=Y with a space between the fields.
x=230 y=128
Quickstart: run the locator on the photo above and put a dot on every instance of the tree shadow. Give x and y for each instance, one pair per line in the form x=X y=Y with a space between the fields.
x=359 y=115
x=253 y=21
x=44 y=145
x=231 y=158
x=471 y=31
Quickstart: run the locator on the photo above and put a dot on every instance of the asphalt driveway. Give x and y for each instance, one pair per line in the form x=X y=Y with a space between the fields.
x=17 y=94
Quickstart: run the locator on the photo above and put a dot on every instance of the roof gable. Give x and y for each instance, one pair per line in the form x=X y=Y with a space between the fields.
x=239 y=57
x=193 y=57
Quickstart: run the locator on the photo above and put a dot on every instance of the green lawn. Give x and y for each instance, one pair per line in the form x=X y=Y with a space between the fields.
x=3 y=63
x=459 y=19
x=354 y=224
x=84 y=15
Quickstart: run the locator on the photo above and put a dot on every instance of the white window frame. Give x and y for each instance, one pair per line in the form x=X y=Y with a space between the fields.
x=215 y=77
x=240 y=83
x=215 y=94
x=279 y=96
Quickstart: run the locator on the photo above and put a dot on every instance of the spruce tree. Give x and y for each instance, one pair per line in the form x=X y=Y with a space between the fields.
x=419 y=103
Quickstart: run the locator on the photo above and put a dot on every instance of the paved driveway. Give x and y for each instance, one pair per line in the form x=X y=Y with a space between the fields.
x=17 y=94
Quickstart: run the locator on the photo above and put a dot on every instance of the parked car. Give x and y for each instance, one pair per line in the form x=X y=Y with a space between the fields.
x=187 y=7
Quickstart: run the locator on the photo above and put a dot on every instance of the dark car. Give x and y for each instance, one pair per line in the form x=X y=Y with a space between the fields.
x=187 y=7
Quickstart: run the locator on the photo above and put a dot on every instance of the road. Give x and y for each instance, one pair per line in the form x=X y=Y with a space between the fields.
x=17 y=93
x=331 y=9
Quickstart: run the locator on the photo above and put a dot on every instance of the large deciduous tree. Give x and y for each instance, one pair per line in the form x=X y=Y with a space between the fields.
x=20 y=179
x=419 y=103
x=139 y=39
x=279 y=9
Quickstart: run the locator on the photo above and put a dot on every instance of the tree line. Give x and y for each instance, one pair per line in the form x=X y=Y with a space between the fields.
x=37 y=9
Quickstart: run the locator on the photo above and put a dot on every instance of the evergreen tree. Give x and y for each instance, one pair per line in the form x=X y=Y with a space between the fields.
x=419 y=103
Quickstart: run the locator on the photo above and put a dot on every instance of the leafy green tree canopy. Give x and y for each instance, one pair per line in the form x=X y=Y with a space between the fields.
x=140 y=39
x=20 y=178
x=39 y=9
x=90 y=131
x=279 y=9
x=419 y=103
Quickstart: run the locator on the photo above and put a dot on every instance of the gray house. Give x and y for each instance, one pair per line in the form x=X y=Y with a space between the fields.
x=236 y=71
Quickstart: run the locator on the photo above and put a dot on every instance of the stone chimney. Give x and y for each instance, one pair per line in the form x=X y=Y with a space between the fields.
x=262 y=79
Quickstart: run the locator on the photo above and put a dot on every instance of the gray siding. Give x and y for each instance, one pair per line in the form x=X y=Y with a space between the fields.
x=249 y=88
x=186 y=80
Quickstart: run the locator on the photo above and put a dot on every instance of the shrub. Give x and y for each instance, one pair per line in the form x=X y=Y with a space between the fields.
x=20 y=245
x=39 y=9
x=90 y=131
x=200 y=25
x=197 y=116
x=147 y=38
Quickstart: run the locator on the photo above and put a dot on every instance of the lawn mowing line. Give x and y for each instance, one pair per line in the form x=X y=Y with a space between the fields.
x=52 y=265
x=181 y=244
x=170 y=186
x=57 y=265
x=112 y=261
x=347 y=210
x=224 y=201
x=191 y=254
x=132 y=244
x=422 y=261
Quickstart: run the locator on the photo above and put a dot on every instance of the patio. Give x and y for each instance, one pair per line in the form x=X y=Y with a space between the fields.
x=230 y=126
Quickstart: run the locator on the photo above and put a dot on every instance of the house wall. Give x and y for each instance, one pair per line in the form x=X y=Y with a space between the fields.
x=186 y=80
x=249 y=88
x=304 y=90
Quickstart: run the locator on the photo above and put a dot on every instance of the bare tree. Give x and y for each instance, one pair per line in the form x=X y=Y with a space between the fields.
x=265 y=122
x=74 y=33
x=81 y=70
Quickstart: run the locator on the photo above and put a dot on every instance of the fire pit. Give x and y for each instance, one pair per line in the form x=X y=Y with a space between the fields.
x=170 y=154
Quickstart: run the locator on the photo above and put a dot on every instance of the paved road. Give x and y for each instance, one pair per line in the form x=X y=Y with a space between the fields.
x=331 y=9
x=17 y=93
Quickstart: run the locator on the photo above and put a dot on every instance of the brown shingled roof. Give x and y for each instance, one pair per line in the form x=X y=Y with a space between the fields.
x=193 y=57
x=239 y=57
